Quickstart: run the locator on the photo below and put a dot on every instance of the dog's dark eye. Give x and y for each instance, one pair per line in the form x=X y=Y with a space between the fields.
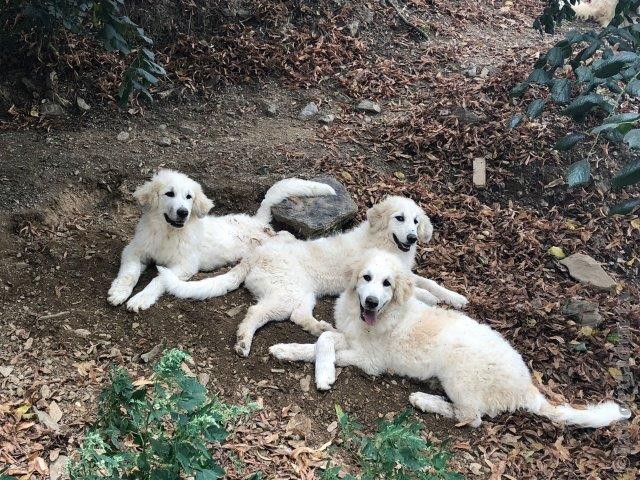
x=415 y=220
x=367 y=278
x=170 y=194
x=386 y=283
x=189 y=198
x=400 y=218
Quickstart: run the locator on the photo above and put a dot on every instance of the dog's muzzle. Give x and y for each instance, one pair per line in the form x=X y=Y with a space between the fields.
x=405 y=247
x=174 y=223
x=368 y=316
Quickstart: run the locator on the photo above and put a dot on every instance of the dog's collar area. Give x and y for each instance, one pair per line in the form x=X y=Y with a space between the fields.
x=173 y=223
x=368 y=316
x=405 y=247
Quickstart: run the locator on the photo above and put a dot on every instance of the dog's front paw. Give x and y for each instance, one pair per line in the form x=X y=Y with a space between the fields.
x=242 y=347
x=456 y=300
x=118 y=293
x=140 y=301
x=320 y=327
x=325 y=380
x=279 y=351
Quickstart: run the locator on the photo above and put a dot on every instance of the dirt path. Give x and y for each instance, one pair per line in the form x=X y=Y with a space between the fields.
x=68 y=212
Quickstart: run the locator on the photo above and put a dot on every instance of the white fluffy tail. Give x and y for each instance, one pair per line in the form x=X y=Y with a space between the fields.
x=207 y=288
x=590 y=416
x=290 y=187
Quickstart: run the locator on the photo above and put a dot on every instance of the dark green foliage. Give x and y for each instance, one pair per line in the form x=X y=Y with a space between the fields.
x=101 y=18
x=397 y=451
x=155 y=430
x=604 y=71
x=579 y=173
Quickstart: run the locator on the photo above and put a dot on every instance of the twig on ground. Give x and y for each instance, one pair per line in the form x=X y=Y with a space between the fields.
x=406 y=19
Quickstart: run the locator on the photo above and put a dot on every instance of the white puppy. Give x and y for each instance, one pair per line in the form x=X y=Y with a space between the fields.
x=384 y=329
x=602 y=11
x=176 y=231
x=287 y=278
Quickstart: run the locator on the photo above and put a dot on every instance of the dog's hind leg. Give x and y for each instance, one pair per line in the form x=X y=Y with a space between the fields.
x=442 y=294
x=266 y=310
x=303 y=315
x=432 y=404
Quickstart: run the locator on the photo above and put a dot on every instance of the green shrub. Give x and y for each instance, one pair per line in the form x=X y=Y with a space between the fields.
x=156 y=429
x=101 y=18
x=603 y=75
x=396 y=451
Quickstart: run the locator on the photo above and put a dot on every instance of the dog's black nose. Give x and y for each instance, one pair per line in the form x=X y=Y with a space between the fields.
x=371 y=302
x=411 y=239
x=182 y=213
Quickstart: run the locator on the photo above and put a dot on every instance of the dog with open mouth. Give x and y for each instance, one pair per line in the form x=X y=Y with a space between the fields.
x=382 y=328
x=287 y=278
x=175 y=230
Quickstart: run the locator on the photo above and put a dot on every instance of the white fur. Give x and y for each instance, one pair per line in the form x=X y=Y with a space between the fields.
x=287 y=277
x=602 y=11
x=204 y=242
x=480 y=372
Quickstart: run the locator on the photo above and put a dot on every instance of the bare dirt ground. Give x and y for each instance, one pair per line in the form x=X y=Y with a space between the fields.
x=68 y=212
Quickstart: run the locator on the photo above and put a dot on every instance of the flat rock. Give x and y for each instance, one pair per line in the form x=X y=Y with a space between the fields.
x=270 y=110
x=51 y=110
x=587 y=270
x=123 y=136
x=368 y=106
x=468 y=117
x=327 y=119
x=586 y=313
x=82 y=104
x=316 y=216
x=309 y=110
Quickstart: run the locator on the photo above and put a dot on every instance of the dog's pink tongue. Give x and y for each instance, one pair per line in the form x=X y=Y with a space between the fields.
x=369 y=317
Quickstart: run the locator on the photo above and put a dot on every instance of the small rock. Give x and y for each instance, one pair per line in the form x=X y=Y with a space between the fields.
x=270 y=110
x=368 y=106
x=354 y=27
x=484 y=73
x=6 y=371
x=82 y=105
x=162 y=127
x=327 y=119
x=45 y=392
x=586 y=313
x=232 y=312
x=164 y=141
x=203 y=378
x=46 y=420
x=54 y=412
x=316 y=216
x=153 y=353
x=472 y=71
x=305 y=383
x=467 y=117
x=50 y=109
x=58 y=469
x=587 y=270
x=187 y=129
x=310 y=110
x=82 y=332
x=123 y=136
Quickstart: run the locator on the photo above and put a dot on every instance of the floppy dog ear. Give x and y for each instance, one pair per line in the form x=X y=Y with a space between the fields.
x=147 y=194
x=201 y=203
x=378 y=216
x=425 y=229
x=353 y=272
x=403 y=289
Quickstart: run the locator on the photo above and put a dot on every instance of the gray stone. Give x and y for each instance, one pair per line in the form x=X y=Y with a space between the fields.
x=164 y=141
x=368 y=106
x=82 y=105
x=468 y=117
x=354 y=27
x=270 y=110
x=587 y=270
x=327 y=119
x=51 y=110
x=315 y=216
x=586 y=313
x=310 y=110
x=123 y=136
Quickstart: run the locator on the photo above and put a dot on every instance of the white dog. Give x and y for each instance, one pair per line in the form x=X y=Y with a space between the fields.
x=287 y=278
x=384 y=329
x=602 y=11
x=176 y=231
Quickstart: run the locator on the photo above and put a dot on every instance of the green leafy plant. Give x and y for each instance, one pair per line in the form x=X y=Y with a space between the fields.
x=591 y=74
x=155 y=429
x=396 y=451
x=101 y=18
